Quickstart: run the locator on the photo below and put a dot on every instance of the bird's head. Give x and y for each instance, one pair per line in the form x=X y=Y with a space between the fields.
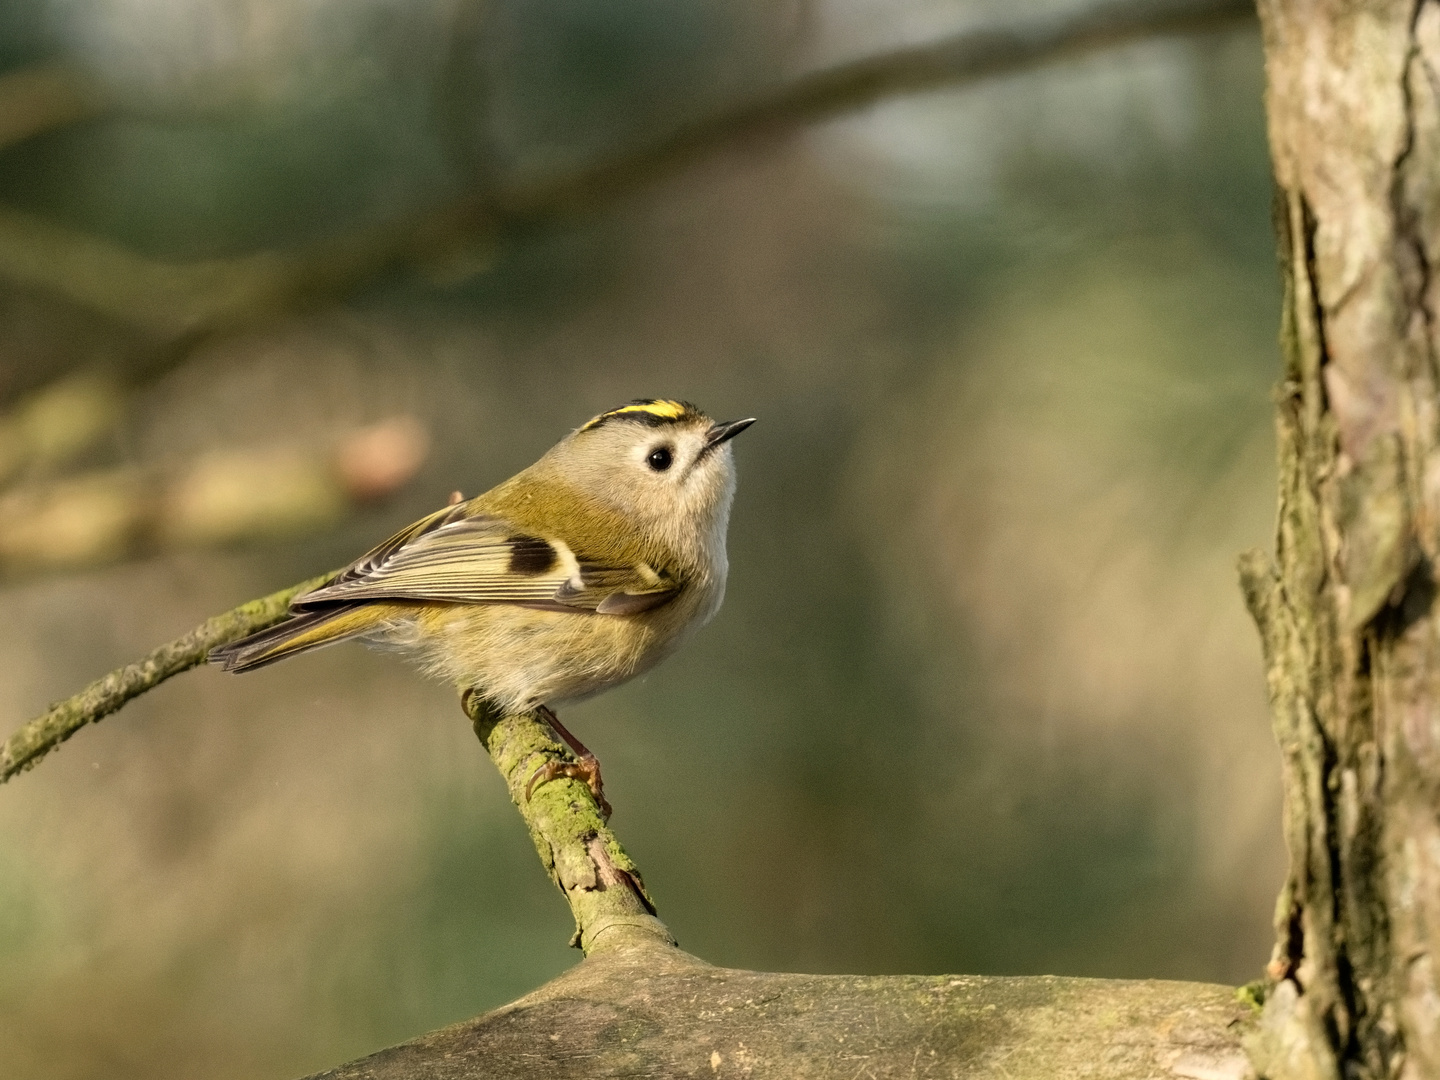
x=664 y=464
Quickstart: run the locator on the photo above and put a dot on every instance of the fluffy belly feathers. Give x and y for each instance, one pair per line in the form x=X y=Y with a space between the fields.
x=521 y=657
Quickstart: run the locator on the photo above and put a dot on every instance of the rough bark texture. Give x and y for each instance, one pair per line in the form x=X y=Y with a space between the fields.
x=651 y=1011
x=1347 y=611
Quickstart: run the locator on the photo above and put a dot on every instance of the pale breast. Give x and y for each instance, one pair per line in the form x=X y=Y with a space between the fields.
x=520 y=657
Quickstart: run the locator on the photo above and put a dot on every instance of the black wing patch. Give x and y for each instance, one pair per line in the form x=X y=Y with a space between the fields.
x=530 y=555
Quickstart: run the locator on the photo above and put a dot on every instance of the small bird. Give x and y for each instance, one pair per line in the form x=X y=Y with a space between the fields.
x=576 y=574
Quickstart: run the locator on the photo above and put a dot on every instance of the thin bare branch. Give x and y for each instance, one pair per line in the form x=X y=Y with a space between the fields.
x=967 y=56
x=582 y=856
x=104 y=696
x=181 y=302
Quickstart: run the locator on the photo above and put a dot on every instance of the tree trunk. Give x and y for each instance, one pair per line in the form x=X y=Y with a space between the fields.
x=1347 y=611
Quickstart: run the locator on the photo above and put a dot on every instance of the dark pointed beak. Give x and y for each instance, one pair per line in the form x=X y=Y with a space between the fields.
x=725 y=431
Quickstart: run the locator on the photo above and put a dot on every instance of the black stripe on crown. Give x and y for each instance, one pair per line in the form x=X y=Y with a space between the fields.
x=654 y=412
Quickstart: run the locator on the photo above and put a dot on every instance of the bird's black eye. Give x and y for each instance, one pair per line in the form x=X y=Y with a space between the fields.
x=660 y=458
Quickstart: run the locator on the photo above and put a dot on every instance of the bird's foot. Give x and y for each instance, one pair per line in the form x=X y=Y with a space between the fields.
x=587 y=768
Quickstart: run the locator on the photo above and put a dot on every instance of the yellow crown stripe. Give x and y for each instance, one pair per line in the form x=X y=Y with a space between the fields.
x=667 y=410
x=662 y=410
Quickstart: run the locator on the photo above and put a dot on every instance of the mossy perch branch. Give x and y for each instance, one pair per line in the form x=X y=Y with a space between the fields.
x=579 y=852
x=104 y=696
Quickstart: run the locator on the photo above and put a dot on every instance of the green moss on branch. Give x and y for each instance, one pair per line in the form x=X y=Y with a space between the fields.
x=104 y=696
x=599 y=881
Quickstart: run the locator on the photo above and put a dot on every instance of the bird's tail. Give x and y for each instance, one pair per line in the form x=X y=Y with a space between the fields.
x=299 y=633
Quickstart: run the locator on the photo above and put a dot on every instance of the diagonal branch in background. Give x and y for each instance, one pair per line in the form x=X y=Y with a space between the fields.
x=183 y=302
x=967 y=56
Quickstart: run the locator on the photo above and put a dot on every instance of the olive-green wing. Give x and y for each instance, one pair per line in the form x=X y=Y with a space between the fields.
x=460 y=556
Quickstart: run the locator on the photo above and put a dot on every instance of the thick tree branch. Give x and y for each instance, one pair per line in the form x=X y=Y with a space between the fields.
x=639 y=1007
x=179 y=302
x=104 y=696
x=650 y=1011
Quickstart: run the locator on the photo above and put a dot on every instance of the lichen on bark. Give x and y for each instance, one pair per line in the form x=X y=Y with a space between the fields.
x=1346 y=611
x=647 y=1011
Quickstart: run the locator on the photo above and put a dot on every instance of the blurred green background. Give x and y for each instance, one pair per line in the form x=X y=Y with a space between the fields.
x=982 y=697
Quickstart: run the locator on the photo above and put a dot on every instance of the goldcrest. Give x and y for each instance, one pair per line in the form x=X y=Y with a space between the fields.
x=576 y=574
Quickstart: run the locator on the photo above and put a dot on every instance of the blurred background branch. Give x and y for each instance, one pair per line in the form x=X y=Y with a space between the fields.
x=171 y=307
x=220 y=499
x=45 y=97
x=988 y=51
x=181 y=302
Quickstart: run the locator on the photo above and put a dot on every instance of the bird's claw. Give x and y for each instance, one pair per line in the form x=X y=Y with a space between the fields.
x=587 y=768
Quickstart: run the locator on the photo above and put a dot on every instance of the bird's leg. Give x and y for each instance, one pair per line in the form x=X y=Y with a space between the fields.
x=587 y=768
